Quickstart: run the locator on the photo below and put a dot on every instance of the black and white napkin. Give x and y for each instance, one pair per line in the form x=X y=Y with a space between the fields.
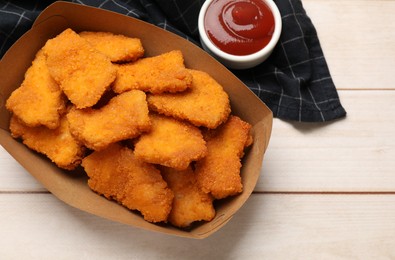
x=295 y=82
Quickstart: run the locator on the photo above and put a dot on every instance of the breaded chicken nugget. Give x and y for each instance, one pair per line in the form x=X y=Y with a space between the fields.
x=158 y=74
x=219 y=172
x=82 y=72
x=39 y=100
x=124 y=117
x=57 y=144
x=117 y=174
x=190 y=203
x=117 y=47
x=205 y=103
x=170 y=143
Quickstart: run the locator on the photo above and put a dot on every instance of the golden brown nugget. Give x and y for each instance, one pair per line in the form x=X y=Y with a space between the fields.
x=82 y=72
x=162 y=73
x=170 y=143
x=117 y=174
x=117 y=47
x=57 y=144
x=125 y=116
x=205 y=103
x=219 y=172
x=190 y=203
x=39 y=100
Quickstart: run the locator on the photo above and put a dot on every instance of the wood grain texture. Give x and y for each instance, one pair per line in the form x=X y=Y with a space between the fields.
x=353 y=154
x=357 y=38
x=327 y=191
x=267 y=227
x=13 y=177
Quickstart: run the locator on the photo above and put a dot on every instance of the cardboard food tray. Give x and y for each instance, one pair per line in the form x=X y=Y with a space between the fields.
x=71 y=187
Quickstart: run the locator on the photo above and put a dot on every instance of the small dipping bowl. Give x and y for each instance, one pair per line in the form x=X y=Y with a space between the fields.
x=238 y=61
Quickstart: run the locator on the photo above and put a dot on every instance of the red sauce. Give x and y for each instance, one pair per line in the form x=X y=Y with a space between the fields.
x=239 y=27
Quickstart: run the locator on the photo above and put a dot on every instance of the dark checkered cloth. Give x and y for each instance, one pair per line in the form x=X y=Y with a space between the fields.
x=294 y=82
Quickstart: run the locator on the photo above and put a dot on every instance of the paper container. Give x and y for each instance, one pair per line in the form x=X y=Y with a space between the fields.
x=71 y=187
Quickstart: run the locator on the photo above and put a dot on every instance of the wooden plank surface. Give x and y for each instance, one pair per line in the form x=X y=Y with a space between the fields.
x=357 y=37
x=353 y=154
x=268 y=227
x=327 y=191
x=13 y=177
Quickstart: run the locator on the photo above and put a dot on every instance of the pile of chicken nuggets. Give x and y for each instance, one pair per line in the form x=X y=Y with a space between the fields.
x=150 y=133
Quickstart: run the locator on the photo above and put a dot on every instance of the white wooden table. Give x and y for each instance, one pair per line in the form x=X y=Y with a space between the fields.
x=326 y=190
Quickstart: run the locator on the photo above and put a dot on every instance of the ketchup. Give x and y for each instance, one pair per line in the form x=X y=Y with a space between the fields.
x=239 y=27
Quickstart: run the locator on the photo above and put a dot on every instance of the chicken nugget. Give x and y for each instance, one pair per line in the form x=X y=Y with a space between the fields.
x=205 y=103
x=125 y=116
x=219 y=172
x=118 y=175
x=158 y=74
x=190 y=203
x=57 y=144
x=170 y=143
x=39 y=100
x=117 y=47
x=82 y=72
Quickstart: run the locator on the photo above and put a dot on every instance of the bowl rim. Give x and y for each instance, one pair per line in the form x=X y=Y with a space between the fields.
x=241 y=58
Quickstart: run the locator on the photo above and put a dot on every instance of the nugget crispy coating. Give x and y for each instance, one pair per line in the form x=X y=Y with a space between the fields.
x=205 y=103
x=219 y=172
x=118 y=175
x=117 y=47
x=170 y=143
x=82 y=72
x=57 y=144
x=39 y=100
x=190 y=203
x=158 y=74
x=124 y=117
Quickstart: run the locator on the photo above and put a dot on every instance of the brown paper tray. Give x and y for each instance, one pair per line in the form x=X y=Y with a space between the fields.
x=71 y=187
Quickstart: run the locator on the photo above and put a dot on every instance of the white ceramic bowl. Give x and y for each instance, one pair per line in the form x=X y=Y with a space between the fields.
x=240 y=61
